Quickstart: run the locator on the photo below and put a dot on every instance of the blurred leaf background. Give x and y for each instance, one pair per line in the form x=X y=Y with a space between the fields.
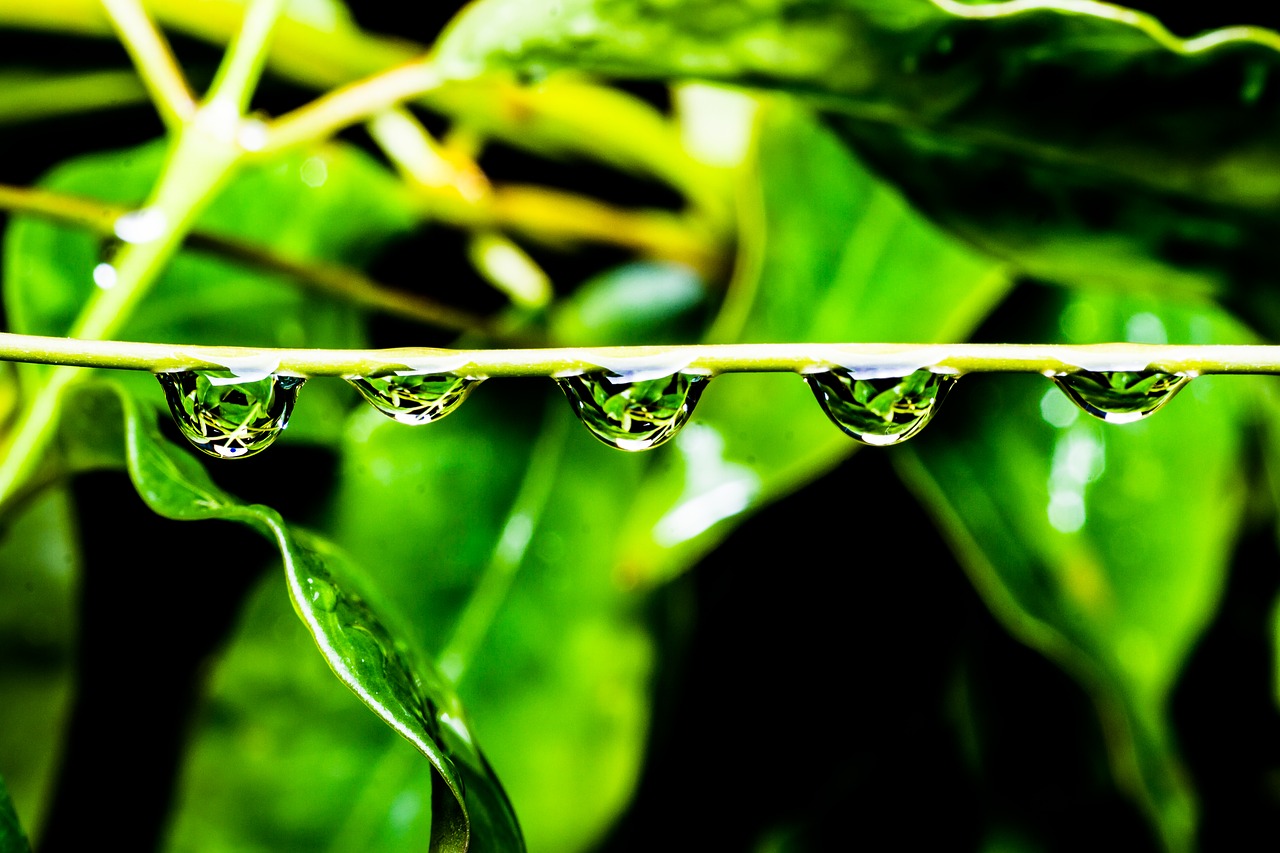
x=1021 y=631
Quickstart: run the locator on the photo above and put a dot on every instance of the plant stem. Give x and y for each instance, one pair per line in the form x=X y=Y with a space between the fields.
x=350 y=105
x=241 y=67
x=337 y=280
x=154 y=60
x=868 y=359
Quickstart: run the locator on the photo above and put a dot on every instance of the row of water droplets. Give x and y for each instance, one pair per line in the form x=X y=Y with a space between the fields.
x=233 y=415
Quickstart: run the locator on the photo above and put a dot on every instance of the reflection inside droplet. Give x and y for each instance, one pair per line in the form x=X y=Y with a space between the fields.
x=416 y=398
x=633 y=415
x=880 y=411
x=1119 y=396
x=226 y=417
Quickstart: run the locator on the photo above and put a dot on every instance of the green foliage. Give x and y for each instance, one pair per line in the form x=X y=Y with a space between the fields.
x=505 y=593
x=12 y=839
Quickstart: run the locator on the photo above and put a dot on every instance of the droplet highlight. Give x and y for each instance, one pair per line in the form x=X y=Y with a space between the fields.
x=1120 y=396
x=415 y=398
x=228 y=417
x=881 y=411
x=636 y=415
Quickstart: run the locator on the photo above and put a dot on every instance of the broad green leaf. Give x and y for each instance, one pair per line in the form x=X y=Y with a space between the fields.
x=330 y=204
x=1102 y=546
x=1082 y=141
x=12 y=839
x=39 y=580
x=828 y=254
x=492 y=529
x=365 y=651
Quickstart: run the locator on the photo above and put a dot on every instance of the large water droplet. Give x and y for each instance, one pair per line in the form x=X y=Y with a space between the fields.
x=228 y=417
x=1120 y=396
x=633 y=415
x=880 y=411
x=417 y=398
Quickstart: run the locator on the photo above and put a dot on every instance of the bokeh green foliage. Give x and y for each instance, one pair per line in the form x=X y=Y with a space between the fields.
x=888 y=171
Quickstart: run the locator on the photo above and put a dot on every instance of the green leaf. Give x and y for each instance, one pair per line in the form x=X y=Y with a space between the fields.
x=329 y=204
x=40 y=565
x=828 y=254
x=1097 y=544
x=12 y=840
x=1081 y=140
x=493 y=530
x=363 y=649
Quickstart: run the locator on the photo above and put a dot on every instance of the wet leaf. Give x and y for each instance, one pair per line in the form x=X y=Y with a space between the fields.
x=499 y=555
x=1097 y=544
x=365 y=650
x=1082 y=141
x=829 y=254
x=330 y=204
x=40 y=564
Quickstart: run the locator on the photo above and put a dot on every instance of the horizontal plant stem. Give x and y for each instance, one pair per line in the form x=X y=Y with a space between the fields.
x=868 y=360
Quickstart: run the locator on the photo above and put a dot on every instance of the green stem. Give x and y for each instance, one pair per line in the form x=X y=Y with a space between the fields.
x=882 y=359
x=343 y=282
x=241 y=67
x=196 y=167
x=154 y=60
x=350 y=105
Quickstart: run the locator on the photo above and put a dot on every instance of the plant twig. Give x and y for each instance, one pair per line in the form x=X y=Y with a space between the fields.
x=242 y=65
x=882 y=359
x=154 y=59
x=350 y=105
x=337 y=280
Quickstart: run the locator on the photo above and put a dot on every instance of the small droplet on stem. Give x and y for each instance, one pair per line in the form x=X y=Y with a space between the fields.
x=1120 y=396
x=226 y=417
x=633 y=415
x=415 y=398
x=884 y=410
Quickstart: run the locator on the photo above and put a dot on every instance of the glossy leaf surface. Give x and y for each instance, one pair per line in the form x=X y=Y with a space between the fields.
x=332 y=204
x=515 y=517
x=1052 y=513
x=367 y=656
x=831 y=254
x=40 y=564
x=1054 y=134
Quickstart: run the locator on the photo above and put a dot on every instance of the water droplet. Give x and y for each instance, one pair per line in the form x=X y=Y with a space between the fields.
x=322 y=594
x=418 y=398
x=105 y=276
x=633 y=415
x=1120 y=396
x=143 y=225
x=880 y=411
x=228 y=417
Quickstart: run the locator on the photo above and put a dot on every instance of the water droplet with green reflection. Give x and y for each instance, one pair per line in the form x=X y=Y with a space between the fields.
x=1120 y=396
x=416 y=398
x=880 y=411
x=228 y=417
x=635 y=415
